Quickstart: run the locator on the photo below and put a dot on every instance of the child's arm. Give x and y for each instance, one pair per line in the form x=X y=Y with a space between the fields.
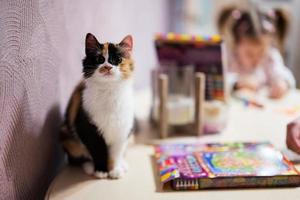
x=236 y=79
x=293 y=135
x=280 y=78
x=252 y=82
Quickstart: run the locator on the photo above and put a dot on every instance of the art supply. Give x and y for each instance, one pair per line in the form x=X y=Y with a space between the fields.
x=289 y=110
x=248 y=102
x=224 y=165
x=180 y=109
x=203 y=52
x=179 y=100
x=215 y=116
x=194 y=67
x=292 y=156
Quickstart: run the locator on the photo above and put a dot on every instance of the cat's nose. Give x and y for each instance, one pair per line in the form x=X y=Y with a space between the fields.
x=105 y=69
x=108 y=68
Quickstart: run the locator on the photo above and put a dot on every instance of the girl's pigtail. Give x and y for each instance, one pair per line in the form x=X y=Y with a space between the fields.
x=223 y=18
x=281 y=23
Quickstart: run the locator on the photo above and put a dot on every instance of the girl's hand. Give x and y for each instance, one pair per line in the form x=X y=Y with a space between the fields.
x=248 y=84
x=278 y=89
x=293 y=136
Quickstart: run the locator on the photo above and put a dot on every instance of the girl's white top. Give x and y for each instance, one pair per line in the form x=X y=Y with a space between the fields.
x=270 y=69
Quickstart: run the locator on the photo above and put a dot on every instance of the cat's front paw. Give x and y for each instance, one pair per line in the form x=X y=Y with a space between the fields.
x=116 y=173
x=124 y=165
x=88 y=168
x=100 y=174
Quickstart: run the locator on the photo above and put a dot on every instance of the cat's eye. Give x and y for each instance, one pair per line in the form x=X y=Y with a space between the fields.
x=115 y=60
x=119 y=60
x=100 y=59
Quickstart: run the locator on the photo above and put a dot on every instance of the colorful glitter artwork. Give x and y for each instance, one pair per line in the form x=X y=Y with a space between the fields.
x=227 y=165
x=189 y=167
x=243 y=163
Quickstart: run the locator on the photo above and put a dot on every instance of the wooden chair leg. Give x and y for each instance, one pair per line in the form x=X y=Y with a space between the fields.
x=163 y=83
x=199 y=102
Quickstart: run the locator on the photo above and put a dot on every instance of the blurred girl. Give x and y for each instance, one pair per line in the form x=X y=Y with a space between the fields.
x=253 y=40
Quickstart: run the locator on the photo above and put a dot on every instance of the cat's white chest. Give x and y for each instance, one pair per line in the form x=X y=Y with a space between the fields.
x=111 y=109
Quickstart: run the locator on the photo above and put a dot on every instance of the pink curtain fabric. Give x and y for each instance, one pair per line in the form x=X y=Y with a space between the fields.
x=31 y=36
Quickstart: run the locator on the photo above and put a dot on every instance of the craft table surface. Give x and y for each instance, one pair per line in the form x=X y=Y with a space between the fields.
x=244 y=124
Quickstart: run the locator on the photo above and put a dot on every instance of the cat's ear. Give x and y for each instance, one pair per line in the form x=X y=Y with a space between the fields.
x=91 y=43
x=127 y=43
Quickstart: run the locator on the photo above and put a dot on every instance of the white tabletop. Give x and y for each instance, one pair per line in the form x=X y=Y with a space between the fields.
x=244 y=124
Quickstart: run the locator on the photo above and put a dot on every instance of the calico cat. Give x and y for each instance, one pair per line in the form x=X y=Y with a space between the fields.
x=100 y=113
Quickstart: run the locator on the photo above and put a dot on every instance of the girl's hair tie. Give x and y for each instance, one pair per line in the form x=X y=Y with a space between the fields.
x=268 y=26
x=271 y=14
x=236 y=14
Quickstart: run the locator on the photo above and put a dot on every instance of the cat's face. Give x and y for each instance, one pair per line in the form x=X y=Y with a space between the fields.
x=107 y=61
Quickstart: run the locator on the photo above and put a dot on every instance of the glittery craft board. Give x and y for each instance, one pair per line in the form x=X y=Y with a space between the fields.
x=224 y=165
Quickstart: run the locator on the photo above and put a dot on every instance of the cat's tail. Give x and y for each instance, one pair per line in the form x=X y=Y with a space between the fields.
x=76 y=151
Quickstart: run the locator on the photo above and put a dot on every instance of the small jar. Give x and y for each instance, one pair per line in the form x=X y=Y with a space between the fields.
x=180 y=102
